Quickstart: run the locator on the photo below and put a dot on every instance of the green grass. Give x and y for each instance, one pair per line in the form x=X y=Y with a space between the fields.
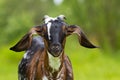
x=88 y=64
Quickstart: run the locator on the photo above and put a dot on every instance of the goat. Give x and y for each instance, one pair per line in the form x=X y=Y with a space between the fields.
x=44 y=58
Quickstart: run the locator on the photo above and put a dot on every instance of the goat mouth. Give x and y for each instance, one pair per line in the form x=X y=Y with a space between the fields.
x=55 y=53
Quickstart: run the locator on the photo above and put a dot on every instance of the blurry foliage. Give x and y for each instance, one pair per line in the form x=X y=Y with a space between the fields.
x=17 y=17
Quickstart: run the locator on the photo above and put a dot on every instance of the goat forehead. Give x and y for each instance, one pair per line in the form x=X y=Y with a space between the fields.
x=49 y=19
x=53 y=25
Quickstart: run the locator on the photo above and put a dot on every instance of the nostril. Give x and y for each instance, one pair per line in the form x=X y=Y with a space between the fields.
x=55 y=47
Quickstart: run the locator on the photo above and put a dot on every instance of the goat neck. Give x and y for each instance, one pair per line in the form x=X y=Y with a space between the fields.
x=53 y=66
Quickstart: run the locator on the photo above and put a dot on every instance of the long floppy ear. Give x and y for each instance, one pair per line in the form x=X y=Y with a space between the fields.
x=81 y=36
x=25 y=42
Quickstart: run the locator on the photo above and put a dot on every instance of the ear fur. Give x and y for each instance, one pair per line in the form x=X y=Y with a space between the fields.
x=81 y=36
x=25 y=42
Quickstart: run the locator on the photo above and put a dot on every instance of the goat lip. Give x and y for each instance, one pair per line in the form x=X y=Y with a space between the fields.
x=55 y=53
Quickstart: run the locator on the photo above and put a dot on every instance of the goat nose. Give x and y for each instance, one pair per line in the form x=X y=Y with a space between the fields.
x=56 y=46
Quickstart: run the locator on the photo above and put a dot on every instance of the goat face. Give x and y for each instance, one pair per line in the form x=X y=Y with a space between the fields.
x=54 y=35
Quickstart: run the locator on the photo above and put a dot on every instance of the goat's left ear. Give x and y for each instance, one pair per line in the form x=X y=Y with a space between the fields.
x=81 y=36
x=26 y=40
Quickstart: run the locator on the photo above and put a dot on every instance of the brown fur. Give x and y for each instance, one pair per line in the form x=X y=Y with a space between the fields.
x=39 y=67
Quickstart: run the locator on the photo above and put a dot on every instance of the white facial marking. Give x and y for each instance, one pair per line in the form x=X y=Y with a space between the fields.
x=44 y=78
x=48 y=28
x=54 y=62
x=47 y=19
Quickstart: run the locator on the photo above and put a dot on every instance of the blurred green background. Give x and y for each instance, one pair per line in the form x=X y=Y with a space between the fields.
x=99 y=19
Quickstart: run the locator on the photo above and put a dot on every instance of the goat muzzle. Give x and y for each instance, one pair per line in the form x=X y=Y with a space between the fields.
x=55 y=50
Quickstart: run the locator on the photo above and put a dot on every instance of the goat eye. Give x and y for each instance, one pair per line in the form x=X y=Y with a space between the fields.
x=65 y=32
x=42 y=34
x=51 y=38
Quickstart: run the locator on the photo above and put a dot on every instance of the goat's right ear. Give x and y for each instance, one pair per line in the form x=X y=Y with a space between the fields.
x=25 y=42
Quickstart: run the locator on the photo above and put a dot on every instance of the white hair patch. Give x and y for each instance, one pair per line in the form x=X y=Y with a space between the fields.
x=44 y=78
x=49 y=19
x=54 y=62
x=48 y=28
x=26 y=55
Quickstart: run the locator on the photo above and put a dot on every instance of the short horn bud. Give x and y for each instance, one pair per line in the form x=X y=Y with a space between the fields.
x=62 y=17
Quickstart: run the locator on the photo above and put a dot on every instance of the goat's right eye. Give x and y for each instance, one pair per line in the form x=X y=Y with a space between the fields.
x=51 y=38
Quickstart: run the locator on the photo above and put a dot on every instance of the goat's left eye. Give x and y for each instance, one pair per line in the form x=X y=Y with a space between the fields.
x=65 y=32
x=51 y=38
